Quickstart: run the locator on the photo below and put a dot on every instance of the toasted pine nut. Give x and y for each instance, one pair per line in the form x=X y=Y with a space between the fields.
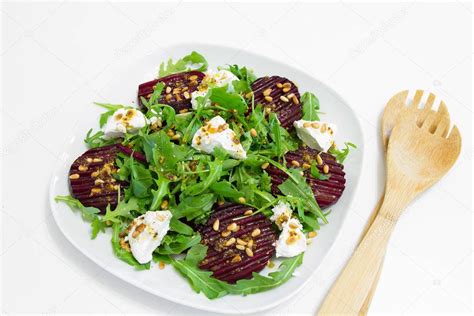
x=161 y=265
x=240 y=247
x=255 y=232
x=236 y=259
x=226 y=233
x=306 y=165
x=284 y=99
x=253 y=132
x=312 y=234
x=215 y=226
x=242 y=200
x=279 y=85
x=249 y=252
x=295 y=163
x=267 y=92
x=229 y=242
x=285 y=90
x=319 y=160
x=326 y=169
x=248 y=212
x=268 y=98
x=264 y=165
x=74 y=176
x=295 y=100
x=241 y=242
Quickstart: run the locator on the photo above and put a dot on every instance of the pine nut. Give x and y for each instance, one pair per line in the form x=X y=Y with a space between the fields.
x=83 y=168
x=161 y=265
x=279 y=85
x=253 y=132
x=324 y=128
x=267 y=92
x=164 y=204
x=248 y=212
x=326 y=169
x=250 y=243
x=241 y=242
x=312 y=234
x=285 y=90
x=319 y=160
x=268 y=98
x=232 y=227
x=284 y=99
x=242 y=200
x=226 y=233
x=74 y=176
x=315 y=125
x=168 y=89
x=240 y=247
x=249 y=252
x=215 y=226
x=295 y=100
x=264 y=165
x=255 y=232
x=306 y=165
x=229 y=242
x=295 y=163
x=236 y=259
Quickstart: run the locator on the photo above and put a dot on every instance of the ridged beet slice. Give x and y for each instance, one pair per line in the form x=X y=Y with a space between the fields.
x=177 y=90
x=226 y=261
x=327 y=192
x=281 y=96
x=90 y=176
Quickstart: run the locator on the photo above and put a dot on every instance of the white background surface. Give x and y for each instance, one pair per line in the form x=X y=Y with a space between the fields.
x=58 y=55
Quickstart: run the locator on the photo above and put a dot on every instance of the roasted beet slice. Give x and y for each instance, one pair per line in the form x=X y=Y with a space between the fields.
x=177 y=90
x=280 y=95
x=91 y=179
x=239 y=244
x=327 y=192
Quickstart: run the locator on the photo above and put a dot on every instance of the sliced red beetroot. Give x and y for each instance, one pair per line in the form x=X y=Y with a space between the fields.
x=327 y=192
x=91 y=179
x=177 y=90
x=239 y=245
x=279 y=95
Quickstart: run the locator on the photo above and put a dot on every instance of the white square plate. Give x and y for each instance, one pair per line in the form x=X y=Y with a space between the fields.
x=168 y=283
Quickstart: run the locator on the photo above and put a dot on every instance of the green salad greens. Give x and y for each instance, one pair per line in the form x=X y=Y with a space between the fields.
x=188 y=182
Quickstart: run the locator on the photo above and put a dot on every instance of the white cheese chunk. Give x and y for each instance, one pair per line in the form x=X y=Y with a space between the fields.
x=281 y=214
x=124 y=121
x=216 y=133
x=147 y=232
x=213 y=79
x=315 y=134
x=292 y=240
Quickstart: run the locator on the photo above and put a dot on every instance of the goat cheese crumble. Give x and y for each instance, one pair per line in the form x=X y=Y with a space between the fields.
x=315 y=134
x=147 y=232
x=216 y=133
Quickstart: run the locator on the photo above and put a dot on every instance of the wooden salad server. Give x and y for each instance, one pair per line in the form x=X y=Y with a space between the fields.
x=397 y=107
x=419 y=154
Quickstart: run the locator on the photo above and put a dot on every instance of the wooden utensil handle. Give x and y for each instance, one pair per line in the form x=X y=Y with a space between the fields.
x=353 y=285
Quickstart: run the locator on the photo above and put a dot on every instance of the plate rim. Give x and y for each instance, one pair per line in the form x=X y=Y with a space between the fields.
x=61 y=162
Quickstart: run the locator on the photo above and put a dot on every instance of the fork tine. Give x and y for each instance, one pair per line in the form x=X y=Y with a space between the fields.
x=417 y=98
x=443 y=109
x=443 y=127
x=455 y=136
x=429 y=102
x=428 y=122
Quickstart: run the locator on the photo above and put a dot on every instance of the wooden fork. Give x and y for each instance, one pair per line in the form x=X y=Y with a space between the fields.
x=396 y=108
x=419 y=154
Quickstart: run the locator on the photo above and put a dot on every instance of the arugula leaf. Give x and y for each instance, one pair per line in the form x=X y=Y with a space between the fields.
x=121 y=210
x=123 y=254
x=200 y=280
x=310 y=107
x=194 y=206
x=276 y=135
x=88 y=213
x=141 y=179
x=96 y=140
x=163 y=190
x=246 y=78
x=176 y=244
x=260 y=283
x=97 y=226
x=215 y=169
x=225 y=189
x=296 y=186
x=183 y=64
x=177 y=226
x=341 y=154
x=196 y=254
x=228 y=100
x=315 y=173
